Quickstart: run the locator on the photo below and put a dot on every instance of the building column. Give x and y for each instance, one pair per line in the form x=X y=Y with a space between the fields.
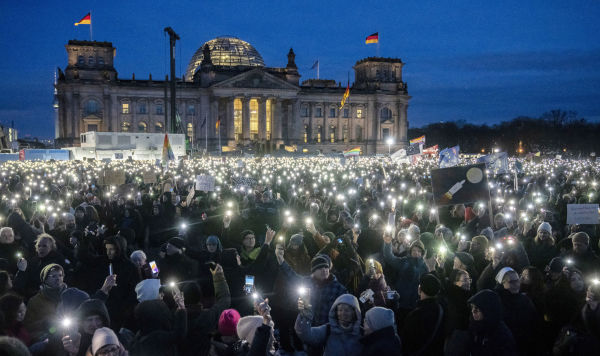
x=262 y=119
x=296 y=123
x=76 y=115
x=230 y=124
x=402 y=117
x=106 y=115
x=246 y=119
x=214 y=116
x=114 y=112
x=340 y=128
x=276 y=124
x=370 y=121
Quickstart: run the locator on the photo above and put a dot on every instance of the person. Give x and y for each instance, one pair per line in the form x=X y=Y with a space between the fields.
x=225 y=341
x=42 y=306
x=456 y=326
x=340 y=335
x=543 y=247
x=105 y=342
x=5 y=282
x=582 y=256
x=176 y=266
x=257 y=331
x=489 y=335
x=13 y=347
x=422 y=333
x=248 y=249
x=478 y=249
x=519 y=311
x=90 y=316
x=373 y=288
x=139 y=259
x=14 y=310
x=9 y=247
x=380 y=336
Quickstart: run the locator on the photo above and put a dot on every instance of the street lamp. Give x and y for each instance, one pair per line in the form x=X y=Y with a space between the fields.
x=390 y=142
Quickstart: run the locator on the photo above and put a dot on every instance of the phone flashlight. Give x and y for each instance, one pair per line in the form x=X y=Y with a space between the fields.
x=110 y=269
x=19 y=255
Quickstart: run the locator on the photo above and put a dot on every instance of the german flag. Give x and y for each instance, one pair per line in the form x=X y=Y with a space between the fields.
x=218 y=124
x=345 y=97
x=86 y=20
x=374 y=38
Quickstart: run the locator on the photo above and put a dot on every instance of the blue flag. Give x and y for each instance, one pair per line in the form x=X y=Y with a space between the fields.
x=449 y=157
x=495 y=162
x=315 y=65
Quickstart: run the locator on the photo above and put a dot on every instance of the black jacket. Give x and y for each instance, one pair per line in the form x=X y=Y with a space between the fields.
x=419 y=325
x=382 y=342
x=519 y=316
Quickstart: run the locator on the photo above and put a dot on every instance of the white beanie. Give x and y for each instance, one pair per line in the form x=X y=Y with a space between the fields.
x=147 y=289
x=378 y=318
x=502 y=272
x=102 y=337
x=545 y=227
x=246 y=327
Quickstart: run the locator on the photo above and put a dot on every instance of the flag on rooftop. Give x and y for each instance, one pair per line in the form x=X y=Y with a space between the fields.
x=315 y=65
x=345 y=97
x=86 y=20
x=374 y=38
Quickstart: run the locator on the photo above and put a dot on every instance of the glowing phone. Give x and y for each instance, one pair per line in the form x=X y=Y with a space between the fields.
x=154 y=267
x=249 y=284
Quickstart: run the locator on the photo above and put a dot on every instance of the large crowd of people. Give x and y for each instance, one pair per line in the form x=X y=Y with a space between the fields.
x=294 y=256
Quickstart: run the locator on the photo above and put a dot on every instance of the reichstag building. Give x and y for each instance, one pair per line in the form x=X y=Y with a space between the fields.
x=228 y=82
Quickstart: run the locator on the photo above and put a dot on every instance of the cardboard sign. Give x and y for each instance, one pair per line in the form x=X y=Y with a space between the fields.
x=205 y=183
x=149 y=177
x=459 y=185
x=583 y=214
x=114 y=178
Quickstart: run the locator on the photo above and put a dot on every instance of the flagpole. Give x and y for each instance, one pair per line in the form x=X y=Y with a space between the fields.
x=206 y=131
x=91 y=37
x=318 y=65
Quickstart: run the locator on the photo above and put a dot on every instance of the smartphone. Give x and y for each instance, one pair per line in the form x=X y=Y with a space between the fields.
x=212 y=265
x=340 y=241
x=154 y=267
x=110 y=269
x=249 y=284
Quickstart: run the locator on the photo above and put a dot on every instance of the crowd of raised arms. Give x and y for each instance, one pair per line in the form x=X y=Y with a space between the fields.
x=294 y=256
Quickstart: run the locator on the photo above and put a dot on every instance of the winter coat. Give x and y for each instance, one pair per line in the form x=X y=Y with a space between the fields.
x=581 y=336
x=379 y=288
x=28 y=282
x=540 y=254
x=160 y=331
x=382 y=342
x=587 y=262
x=458 y=309
x=420 y=325
x=408 y=273
x=322 y=294
x=177 y=267
x=336 y=341
x=41 y=308
x=519 y=316
x=490 y=336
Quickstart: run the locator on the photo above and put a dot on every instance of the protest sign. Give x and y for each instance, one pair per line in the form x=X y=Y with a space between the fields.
x=458 y=185
x=114 y=178
x=583 y=214
x=149 y=177
x=205 y=183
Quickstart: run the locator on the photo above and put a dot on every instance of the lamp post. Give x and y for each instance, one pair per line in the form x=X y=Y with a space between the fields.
x=390 y=142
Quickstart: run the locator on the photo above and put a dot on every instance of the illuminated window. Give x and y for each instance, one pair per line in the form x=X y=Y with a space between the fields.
x=190 y=131
x=305 y=133
x=125 y=108
x=269 y=118
x=346 y=113
x=237 y=119
x=332 y=112
x=142 y=127
x=91 y=107
x=254 y=119
x=332 y=133
x=359 y=113
x=125 y=126
x=319 y=129
x=142 y=108
x=159 y=109
x=158 y=127
x=319 y=112
x=345 y=133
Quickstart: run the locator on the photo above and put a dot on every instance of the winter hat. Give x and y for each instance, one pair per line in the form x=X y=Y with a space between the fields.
x=320 y=261
x=94 y=307
x=177 y=242
x=71 y=299
x=488 y=232
x=545 y=227
x=556 y=265
x=49 y=268
x=502 y=272
x=419 y=244
x=228 y=322
x=427 y=239
x=296 y=240
x=246 y=327
x=102 y=337
x=430 y=285
x=465 y=258
x=378 y=318
x=581 y=237
x=147 y=289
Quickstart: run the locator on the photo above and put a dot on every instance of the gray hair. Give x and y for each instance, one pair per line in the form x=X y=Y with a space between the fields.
x=137 y=255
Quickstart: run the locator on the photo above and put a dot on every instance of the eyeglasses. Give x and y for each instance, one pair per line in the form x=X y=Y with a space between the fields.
x=111 y=350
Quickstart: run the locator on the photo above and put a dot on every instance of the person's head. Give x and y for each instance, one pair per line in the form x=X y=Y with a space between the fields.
x=92 y=315
x=345 y=310
x=105 y=342
x=592 y=296
x=576 y=280
x=7 y=235
x=531 y=276
x=175 y=246
x=228 y=321
x=511 y=281
x=417 y=249
x=112 y=249
x=212 y=244
x=499 y=221
x=79 y=213
x=374 y=269
x=248 y=239
x=378 y=318
x=443 y=232
x=458 y=211
x=479 y=244
x=52 y=275
x=463 y=260
x=429 y=286
x=345 y=314
x=13 y=308
x=461 y=279
x=69 y=221
x=581 y=242
x=544 y=234
x=44 y=244
x=138 y=257
x=319 y=267
x=486 y=306
x=92 y=214
x=13 y=347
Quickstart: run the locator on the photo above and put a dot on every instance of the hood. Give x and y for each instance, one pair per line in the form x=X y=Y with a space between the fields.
x=490 y=305
x=353 y=302
x=93 y=307
x=152 y=315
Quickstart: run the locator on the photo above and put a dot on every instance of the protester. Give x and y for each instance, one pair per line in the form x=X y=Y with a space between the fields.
x=489 y=334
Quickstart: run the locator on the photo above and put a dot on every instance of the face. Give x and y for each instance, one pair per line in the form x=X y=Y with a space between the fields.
x=111 y=251
x=345 y=314
x=475 y=246
x=109 y=350
x=249 y=241
x=7 y=236
x=577 y=283
x=511 y=282
x=91 y=323
x=155 y=211
x=543 y=235
x=476 y=312
x=43 y=248
x=580 y=246
x=141 y=261
x=55 y=278
x=79 y=214
x=211 y=247
x=525 y=277
x=321 y=274
x=21 y=312
x=172 y=249
x=458 y=264
x=416 y=252
x=592 y=298
x=464 y=282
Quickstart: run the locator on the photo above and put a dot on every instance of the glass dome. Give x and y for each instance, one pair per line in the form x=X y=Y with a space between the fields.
x=226 y=51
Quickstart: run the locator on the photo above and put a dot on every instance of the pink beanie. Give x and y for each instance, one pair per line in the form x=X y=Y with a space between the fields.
x=228 y=322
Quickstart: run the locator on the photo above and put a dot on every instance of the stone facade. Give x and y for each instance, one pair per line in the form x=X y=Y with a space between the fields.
x=256 y=106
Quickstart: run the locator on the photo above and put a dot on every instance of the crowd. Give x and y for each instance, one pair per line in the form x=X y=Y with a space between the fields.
x=294 y=256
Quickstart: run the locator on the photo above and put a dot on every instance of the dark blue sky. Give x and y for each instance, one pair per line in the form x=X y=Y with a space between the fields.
x=478 y=61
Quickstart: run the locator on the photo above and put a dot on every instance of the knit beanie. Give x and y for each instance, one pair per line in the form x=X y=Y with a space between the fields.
x=228 y=322
x=102 y=337
x=147 y=289
x=177 y=242
x=556 y=265
x=430 y=285
x=545 y=227
x=296 y=240
x=501 y=273
x=465 y=258
x=49 y=268
x=319 y=261
x=71 y=299
x=419 y=244
x=378 y=318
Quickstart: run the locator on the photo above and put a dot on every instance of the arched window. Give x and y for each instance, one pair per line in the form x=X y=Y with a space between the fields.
x=190 y=132
x=158 y=127
x=253 y=119
x=91 y=107
x=385 y=114
x=81 y=60
x=91 y=60
x=142 y=127
x=125 y=126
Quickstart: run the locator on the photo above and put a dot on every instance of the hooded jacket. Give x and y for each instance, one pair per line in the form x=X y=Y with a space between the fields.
x=160 y=331
x=338 y=341
x=408 y=272
x=490 y=336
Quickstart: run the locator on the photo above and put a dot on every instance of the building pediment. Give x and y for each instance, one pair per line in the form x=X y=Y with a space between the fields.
x=255 y=79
